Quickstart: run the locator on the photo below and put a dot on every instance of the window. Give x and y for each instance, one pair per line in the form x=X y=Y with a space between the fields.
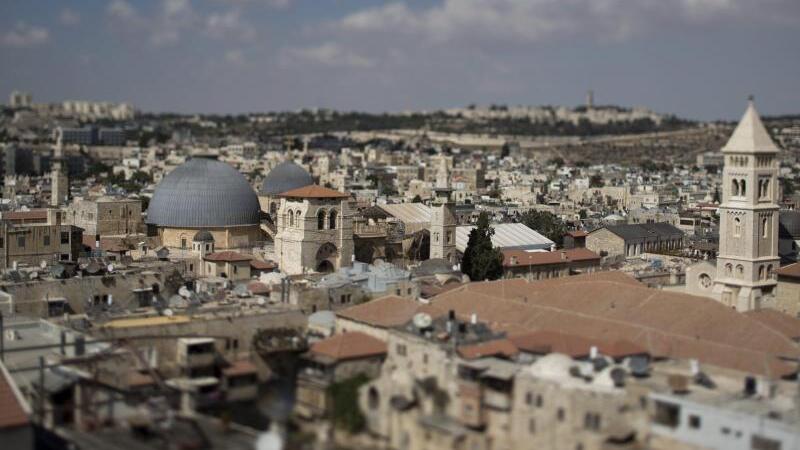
x=729 y=269
x=321 y=219
x=373 y=399
x=694 y=422
x=761 y=272
x=764 y=227
x=401 y=349
x=560 y=414
x=235 y=270
x=291 y=218
x=21 y=241
x=64 y=237
x=46 y=241
x=2 y=242
x=739 y=271
x=737 y=227
x=531 y=426
x=332 y=221
x=528 y=398
x=183 y=242
x=667 y=414
x=297 y=219
x=735 y=188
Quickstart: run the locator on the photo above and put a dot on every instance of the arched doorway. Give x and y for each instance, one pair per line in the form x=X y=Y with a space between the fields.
x=326 y=258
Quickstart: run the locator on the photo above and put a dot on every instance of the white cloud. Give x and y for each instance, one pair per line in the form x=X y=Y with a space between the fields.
x=69 y=17
x=329 y=54
x=235 y=57
x=533 y=20
x=122 y=10
x=229 y=25
x=24 y=35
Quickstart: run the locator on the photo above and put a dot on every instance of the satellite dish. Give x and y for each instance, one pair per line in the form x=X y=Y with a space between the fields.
x=43 y=264
x=261 y=301
x=110 y=268
x=184 y=292
x=422 y=320
x=168 y=312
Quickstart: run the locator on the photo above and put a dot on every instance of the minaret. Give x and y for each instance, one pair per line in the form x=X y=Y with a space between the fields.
x=443 y=226
x=59 y=181
x=442 y=175
x=748 y=242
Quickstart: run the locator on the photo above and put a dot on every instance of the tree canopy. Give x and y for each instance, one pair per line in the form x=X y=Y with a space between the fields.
x=545 y=223
x=481 y=260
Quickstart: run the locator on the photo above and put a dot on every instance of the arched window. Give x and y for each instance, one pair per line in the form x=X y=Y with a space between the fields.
x=298 y=220
x=729 y=269
x=290 y=216
x=332 y=221
x=761 y=273
x=321 y=219
x=764 y=227
x=373 y=399
x=743 y=188
x=273 y=208
x=739 y=271
x=769 y=271
x=734 y=188
x=737 y=227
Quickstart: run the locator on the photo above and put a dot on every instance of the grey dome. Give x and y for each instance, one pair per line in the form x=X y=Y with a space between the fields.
x=203 y=236
x=203 y=192
x=285 y=177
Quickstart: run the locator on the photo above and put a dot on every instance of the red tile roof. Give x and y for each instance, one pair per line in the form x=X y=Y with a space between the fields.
x=612 y=306
x=347 y=346
x=517 y=258
x=262 y=265
x=314 y=191
x=33 y=214
x=227 y=256
x=240 y=367
x=577 y=233
x=12 y=409
x=498 y=347
x=790 y=271
x=387 y=312
x=258 y=288
x=782 y=323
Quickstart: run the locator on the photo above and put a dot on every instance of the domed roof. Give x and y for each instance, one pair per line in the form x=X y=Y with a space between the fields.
x=203 y=192
x=285 y=177
x=203 y=236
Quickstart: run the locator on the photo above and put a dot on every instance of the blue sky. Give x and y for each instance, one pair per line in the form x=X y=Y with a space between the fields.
x=695 y=58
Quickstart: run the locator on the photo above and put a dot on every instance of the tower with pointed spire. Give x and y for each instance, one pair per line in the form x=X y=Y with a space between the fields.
x=59 y=180
x=748 y=243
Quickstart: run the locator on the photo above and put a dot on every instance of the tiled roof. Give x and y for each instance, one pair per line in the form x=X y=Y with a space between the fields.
x=524 y=258
x=262 y=265
x=387 y=312
x=347 y=346
x=498 y=347
x=790 y=271
x=314 y=191
x=257 y=287
x=612 y=306
x=240 y=367
x=645 y=230
x=12 y=409
x=783 y=323
x=227 y=256
x=33 y=214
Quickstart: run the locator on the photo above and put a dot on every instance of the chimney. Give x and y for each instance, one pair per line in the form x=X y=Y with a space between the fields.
x=593 y=353
x=97 y=241
x=695 y=367
x=473 y=319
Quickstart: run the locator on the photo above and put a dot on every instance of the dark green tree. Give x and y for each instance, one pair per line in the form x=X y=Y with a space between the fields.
x=596 y=181
x=481 y=260
x=416 y=199
x=545 y=223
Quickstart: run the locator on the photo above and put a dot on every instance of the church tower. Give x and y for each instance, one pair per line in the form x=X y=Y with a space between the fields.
x=443 y=226
x=59 y=181
x=748 y=235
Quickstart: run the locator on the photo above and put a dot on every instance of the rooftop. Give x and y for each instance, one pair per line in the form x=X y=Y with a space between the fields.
x=346 y=346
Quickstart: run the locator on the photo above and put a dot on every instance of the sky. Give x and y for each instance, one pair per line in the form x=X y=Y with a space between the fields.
x=694 y=58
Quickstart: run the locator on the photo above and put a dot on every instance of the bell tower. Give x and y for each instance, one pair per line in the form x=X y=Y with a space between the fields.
x=443 y=226
x=59 y=181
x=748 y=234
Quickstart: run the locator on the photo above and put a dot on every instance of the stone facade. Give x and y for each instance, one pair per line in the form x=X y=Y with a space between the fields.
x=314 y=235
x=443 y=227
x=225 y=238
x=605 y=243
x=748 y=244
x=33 y=243
x=107 y=216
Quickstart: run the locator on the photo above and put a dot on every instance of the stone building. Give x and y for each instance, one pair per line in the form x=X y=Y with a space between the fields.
x=283 y=177
x=443 y=227
x=34 y=243
x=59 y=180
x=106 y=216
x=205 y=194
x=744 y=276
x=543 y=265
x=314 y=231
x=634 y=239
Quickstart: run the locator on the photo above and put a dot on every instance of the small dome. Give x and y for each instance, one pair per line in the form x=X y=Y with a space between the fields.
x=285 y=177
x=203 y=192
x=203 y=236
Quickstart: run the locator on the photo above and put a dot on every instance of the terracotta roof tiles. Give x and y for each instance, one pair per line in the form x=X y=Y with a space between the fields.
x=347 y=346
x=314 y=191
x=387 y=312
